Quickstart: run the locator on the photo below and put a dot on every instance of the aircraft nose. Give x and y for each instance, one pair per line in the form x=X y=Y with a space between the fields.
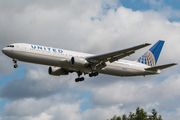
x=7 y=52
x=3 y=50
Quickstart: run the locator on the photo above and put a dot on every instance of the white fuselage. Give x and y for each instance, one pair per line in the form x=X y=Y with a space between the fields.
x=61 y=58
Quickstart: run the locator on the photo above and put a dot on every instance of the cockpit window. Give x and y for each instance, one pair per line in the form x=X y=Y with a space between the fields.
x=10 y=46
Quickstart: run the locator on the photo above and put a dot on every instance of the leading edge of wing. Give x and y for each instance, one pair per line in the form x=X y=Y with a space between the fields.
x=114 y=56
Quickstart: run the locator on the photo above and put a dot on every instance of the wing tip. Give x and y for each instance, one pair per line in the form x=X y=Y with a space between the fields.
x=174 y=63
x=147 y=44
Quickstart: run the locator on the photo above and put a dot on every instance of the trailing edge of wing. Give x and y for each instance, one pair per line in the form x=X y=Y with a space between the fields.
x=114 y=56
x=160 y=67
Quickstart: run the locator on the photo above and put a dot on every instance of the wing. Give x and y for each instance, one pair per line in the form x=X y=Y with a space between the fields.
x=160 y=67
x=98 y=61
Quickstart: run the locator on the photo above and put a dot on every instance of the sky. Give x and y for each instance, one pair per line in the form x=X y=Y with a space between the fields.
x=90 y=26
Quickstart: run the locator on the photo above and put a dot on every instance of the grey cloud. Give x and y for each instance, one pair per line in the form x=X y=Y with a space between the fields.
x=36 y=84
x=5 y=70
x=33 y=108
x=137 y=92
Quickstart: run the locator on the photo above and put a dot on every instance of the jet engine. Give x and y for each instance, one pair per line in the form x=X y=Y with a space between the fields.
x=78 y=62
x=57 y=71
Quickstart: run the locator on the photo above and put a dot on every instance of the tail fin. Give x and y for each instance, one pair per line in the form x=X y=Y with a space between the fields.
x=151 y=56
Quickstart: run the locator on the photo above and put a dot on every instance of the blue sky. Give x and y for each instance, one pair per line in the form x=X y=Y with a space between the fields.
x=62 y=24
x=143 y=5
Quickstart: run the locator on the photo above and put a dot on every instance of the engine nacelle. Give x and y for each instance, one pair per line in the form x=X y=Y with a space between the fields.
x=78 y=62
x=57 y=71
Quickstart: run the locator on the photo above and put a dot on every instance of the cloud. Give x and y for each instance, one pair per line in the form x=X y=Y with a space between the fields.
x=137 y=92
x=36 y=83
x=53 y=108
x=156 y=4
x=49 y=108
x=94 y=27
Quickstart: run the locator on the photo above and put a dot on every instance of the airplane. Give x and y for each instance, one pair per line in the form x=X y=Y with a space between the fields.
x=63 y=62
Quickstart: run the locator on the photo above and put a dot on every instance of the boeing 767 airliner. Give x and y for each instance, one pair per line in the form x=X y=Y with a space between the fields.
x=63 y=62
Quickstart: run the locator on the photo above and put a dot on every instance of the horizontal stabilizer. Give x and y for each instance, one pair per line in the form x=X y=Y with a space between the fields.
x=160 y=67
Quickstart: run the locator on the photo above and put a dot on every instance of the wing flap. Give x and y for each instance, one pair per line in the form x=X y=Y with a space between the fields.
x=160 y=67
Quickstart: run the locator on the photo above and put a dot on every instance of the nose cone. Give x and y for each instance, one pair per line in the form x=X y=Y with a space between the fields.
x=6 y=51
x=3 y=50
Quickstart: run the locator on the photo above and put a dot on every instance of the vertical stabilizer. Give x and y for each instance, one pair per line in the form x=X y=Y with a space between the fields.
x=151 y=56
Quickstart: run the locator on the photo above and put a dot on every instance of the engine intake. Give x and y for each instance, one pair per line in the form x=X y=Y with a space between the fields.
x=78 y=62
x=57 y=71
